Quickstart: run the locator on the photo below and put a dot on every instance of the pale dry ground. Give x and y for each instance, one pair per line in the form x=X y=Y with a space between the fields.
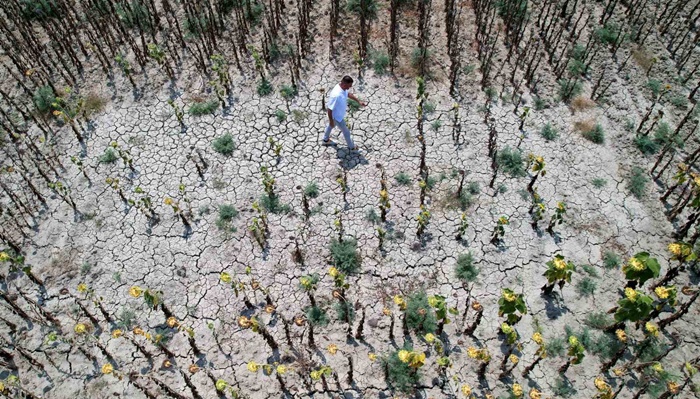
x=123 y=250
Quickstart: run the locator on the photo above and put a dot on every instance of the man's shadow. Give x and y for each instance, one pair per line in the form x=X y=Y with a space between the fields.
x=349 y=159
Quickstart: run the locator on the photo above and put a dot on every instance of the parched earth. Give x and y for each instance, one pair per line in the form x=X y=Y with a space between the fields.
x=112 y=246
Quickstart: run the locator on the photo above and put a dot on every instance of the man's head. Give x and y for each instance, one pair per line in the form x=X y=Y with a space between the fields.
x=346 y=82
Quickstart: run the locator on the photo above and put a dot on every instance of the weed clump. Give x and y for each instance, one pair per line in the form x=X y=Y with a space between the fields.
x=608 y=34
x=549 y=132
x=288 y=92
x=569 y=88
x=473 y=188
x=611 y=260
x=680 y=102
x=265 y=88
x=311 y=190
x=345 y=311
x=400 y=375
x=555 y=347
x=93 y=103
x=316 y=316
x=563 y=388
x=39 y=9
x=605 y=346
x=465 y=269
x=540 y=104
x=586 y=287
x=203 y=107
x=273 y=204
x=420 y=316
x=280 y=115
x=44 y=99
x=654 y=86
x=226 y=215
x=380 y=62
x=109 y=156
x=646 y=145
x=580 y=103
x=345 y=255
x=511 y=162
x=353 y=105
x=637 y=183
x=598 y=182
x=595 y=135
x=403 y=179
x=420 y=56
x=224 y=145
x=598 y=320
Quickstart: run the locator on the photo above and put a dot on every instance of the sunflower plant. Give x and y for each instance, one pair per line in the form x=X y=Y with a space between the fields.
x=558 y=217
x=666 y=296
x=179 y=113
x=537 y=208
x=402 y=368
x=321 y=372
x=575 y=353
x=463 y=225
x=423 y=219
x=640 y=268
x=510 y=334
x=499 y=231
x=536 y=165
x=483 y=356
x=540 y=354
x=558 y=272
x=509 y=304
x=437 y=302
x=152 y=298
x=634 y=306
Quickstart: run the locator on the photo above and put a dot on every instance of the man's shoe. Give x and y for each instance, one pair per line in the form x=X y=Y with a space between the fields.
x=327 y=142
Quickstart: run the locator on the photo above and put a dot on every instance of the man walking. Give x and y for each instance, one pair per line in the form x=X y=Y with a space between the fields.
x=336 y=107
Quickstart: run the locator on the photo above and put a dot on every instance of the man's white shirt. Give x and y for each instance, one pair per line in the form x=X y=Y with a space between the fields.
x=338 y=102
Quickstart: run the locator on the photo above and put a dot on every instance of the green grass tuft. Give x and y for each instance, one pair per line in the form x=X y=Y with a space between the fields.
x=345 y=255
x=586 y=287
x=380 y=62
x=224 y=144
x=280 y=115
x=226 y=215
x=203 y=107
x=343 y=310
x=598 y=320
x=637 y=183
x=400 y=375
x=403 y=179
x=599 y=182
x=473 y=188
x=316 y=316
x=549 y=132
x=265 y=88
x=44 y=99
x=569 y=88
x=109 y=156
x=465 y=269
x=611 y=260
x=511 y=162
x=420 y=316
x=311 y=190
x=595 y=135
x=288 y=92
x=590 y=269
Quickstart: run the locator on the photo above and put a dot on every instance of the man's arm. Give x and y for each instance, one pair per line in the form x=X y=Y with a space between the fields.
x=352 y=96
x=330 y=117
